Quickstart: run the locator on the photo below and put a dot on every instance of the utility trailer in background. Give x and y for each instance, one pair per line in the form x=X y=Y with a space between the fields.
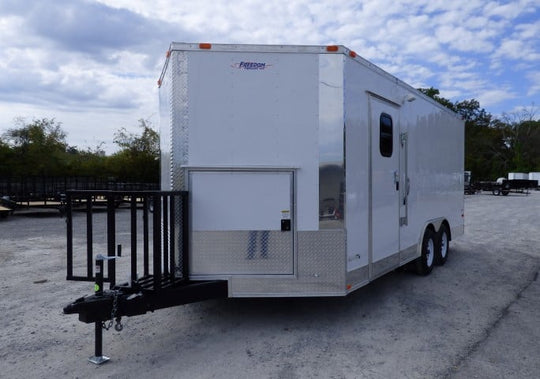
x=504 y=186
x=306 y=171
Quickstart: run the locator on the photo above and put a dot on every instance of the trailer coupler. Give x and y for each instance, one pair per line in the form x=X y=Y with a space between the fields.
x=133 y=300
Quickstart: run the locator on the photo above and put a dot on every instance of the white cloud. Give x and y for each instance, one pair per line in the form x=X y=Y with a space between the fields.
x=517 y=50
x=511 y=9
x=488 y=97
x=533 y=78
x=97 y=57
x=528 y=31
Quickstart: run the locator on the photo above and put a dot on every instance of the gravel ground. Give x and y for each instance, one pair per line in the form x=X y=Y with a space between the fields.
x=477 y=316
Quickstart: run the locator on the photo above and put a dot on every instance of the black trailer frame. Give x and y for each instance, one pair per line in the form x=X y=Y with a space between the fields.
x=161 y=282
x=507 y=186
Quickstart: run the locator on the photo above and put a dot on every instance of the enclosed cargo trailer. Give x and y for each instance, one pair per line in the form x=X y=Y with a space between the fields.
x=286 y=171
x=310 y=170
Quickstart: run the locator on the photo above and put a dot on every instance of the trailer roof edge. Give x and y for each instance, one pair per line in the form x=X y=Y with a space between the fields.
x=306 y=49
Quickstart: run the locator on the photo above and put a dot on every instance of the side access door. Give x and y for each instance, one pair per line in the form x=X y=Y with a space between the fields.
x=385 y=185
x=242 y=222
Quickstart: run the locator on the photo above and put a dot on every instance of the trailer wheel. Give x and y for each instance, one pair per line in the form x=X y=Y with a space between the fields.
x=424 y=264
x=496 y=191
x=443 y=246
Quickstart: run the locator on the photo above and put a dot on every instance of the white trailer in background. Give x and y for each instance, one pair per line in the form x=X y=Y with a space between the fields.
x=518 y=175
x=534 y=176
x=310 y=170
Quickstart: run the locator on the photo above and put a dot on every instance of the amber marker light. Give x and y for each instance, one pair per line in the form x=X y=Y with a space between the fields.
x=349 y=287
x=332 y=48
x=206 y=46
x=352 y=54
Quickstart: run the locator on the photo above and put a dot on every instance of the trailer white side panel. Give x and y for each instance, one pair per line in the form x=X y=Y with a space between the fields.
x=436 y=168
x=357 y=167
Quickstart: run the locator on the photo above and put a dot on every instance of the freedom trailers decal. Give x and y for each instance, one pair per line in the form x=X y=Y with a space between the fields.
x=251 y=65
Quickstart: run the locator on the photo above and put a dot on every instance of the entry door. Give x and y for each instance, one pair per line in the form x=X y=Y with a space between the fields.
x=385 y=185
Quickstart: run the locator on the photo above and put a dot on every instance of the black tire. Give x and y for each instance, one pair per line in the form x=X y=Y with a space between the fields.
x=505 y=190
x=425 y=263
x=443 y=245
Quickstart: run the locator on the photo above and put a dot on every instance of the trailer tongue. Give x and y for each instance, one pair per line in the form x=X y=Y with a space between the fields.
x=164 y=282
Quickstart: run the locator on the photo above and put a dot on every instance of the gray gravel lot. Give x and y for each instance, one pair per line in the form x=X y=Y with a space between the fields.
x=477 y=316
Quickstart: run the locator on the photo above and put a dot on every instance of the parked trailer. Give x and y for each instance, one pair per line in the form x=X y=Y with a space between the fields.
x=468 y=185
x=505 y=186
x=535 y=176
x=309 y=172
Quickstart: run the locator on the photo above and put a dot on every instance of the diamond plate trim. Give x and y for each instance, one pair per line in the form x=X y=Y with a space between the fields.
x=258 y=252
x=179 y=143
x=179 y=119
x=321 y=270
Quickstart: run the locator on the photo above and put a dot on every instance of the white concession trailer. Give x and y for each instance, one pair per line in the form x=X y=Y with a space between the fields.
x=310 y=171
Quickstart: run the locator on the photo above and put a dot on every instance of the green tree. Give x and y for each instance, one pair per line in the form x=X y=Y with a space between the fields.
x=37 y=148
x=5 y=158
x=522 y=136
x=88 y=162
x=138 y=159
x=434 y=94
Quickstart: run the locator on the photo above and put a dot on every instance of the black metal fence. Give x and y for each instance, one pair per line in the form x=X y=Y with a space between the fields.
x=164 y=236
x=48 y=188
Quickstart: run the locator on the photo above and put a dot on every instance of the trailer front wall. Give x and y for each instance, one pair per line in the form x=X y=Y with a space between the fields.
x=240 y=122
x=243 y=118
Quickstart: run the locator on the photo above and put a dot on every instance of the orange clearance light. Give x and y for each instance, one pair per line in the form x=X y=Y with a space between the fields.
x=332 y=48
x=349 y=287
x=206 y=46
x=159 y=83
x=168 y=54
x=352 y=54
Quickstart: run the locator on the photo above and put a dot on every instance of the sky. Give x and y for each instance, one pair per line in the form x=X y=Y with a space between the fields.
x=93 y=65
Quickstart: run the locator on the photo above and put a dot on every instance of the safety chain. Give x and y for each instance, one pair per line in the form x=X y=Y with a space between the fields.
x=118 y=326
